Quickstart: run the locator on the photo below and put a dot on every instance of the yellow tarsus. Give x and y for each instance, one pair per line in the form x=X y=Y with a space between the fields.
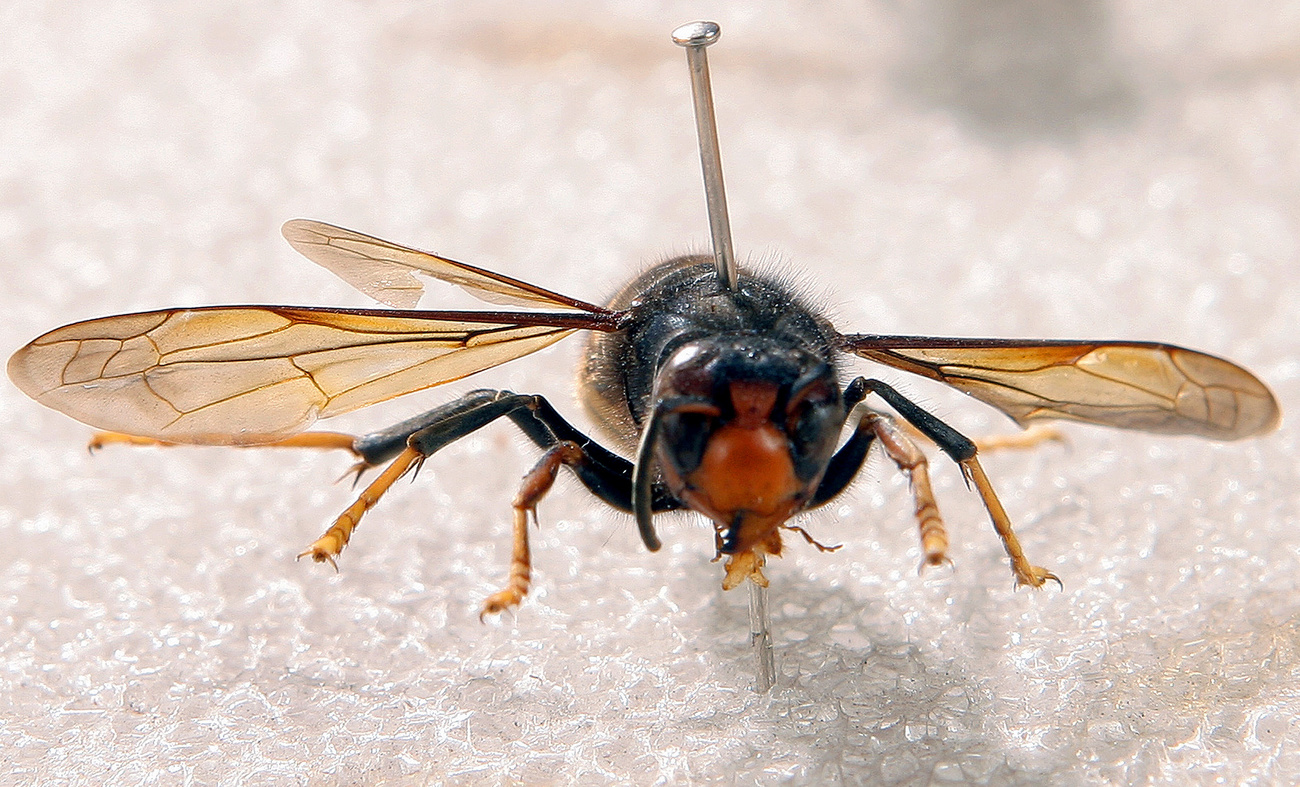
x=332 y=542
x=1025 y=573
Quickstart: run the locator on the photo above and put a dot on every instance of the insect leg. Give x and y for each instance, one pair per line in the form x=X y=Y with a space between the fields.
x=535 y=485
x=100 y=439
x=1031 y=436
x=439 y=426
x=844 y=465
x=963 y=452
x=910 y=459
x=332 y=541
x=808 y=537
x=326 y=440
x=848 y=460
x=1026 y=574
x=411 y=442
x=605 y=474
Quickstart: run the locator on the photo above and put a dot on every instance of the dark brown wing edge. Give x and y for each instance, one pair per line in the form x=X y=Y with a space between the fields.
x=1131 y=385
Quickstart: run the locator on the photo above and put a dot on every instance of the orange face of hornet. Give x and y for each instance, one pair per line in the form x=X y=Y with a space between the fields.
x=747 y=431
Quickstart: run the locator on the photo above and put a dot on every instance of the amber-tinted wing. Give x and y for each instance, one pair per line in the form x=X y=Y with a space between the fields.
x=249 y=374
x=385 y=271
x=1133 y=385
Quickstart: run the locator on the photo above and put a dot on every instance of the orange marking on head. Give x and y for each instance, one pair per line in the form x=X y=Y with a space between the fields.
x=753 y=402
x=746 y=470
x=746 y=477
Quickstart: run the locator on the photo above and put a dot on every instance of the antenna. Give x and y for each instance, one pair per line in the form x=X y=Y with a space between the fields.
x=695 y=37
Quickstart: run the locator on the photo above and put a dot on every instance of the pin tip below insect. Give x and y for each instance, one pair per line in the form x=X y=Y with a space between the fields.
x=697 y=34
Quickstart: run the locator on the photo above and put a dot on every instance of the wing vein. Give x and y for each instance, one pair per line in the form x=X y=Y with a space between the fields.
x=1136 y=385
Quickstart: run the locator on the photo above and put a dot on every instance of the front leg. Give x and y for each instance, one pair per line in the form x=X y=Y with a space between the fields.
x=873 y=426
x=534 y=487
x=911 y=460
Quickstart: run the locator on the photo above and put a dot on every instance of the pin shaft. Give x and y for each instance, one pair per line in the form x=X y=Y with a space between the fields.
x=695 y=37
x=760 y=637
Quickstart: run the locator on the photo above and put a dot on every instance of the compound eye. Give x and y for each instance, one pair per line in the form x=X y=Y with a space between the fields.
x=813 y=422
x=685 y=433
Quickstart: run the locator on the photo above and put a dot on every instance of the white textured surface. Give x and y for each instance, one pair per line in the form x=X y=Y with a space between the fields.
x=1063 y=169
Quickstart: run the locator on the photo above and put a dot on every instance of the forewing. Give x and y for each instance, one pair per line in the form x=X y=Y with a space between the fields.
x=1132 y=385
x=252 y=374
x=385 y=271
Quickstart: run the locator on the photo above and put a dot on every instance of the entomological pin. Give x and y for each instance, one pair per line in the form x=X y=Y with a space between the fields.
x=721 y=390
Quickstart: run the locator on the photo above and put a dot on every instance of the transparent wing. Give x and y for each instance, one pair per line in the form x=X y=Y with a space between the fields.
x=1132 y=385
x=251 y=374
x=385 y=271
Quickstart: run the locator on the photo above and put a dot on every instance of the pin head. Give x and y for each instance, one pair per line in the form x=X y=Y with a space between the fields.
x=697 y=34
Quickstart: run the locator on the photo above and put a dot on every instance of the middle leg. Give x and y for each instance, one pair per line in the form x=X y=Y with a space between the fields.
x=964 y=453
x=408 y=444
